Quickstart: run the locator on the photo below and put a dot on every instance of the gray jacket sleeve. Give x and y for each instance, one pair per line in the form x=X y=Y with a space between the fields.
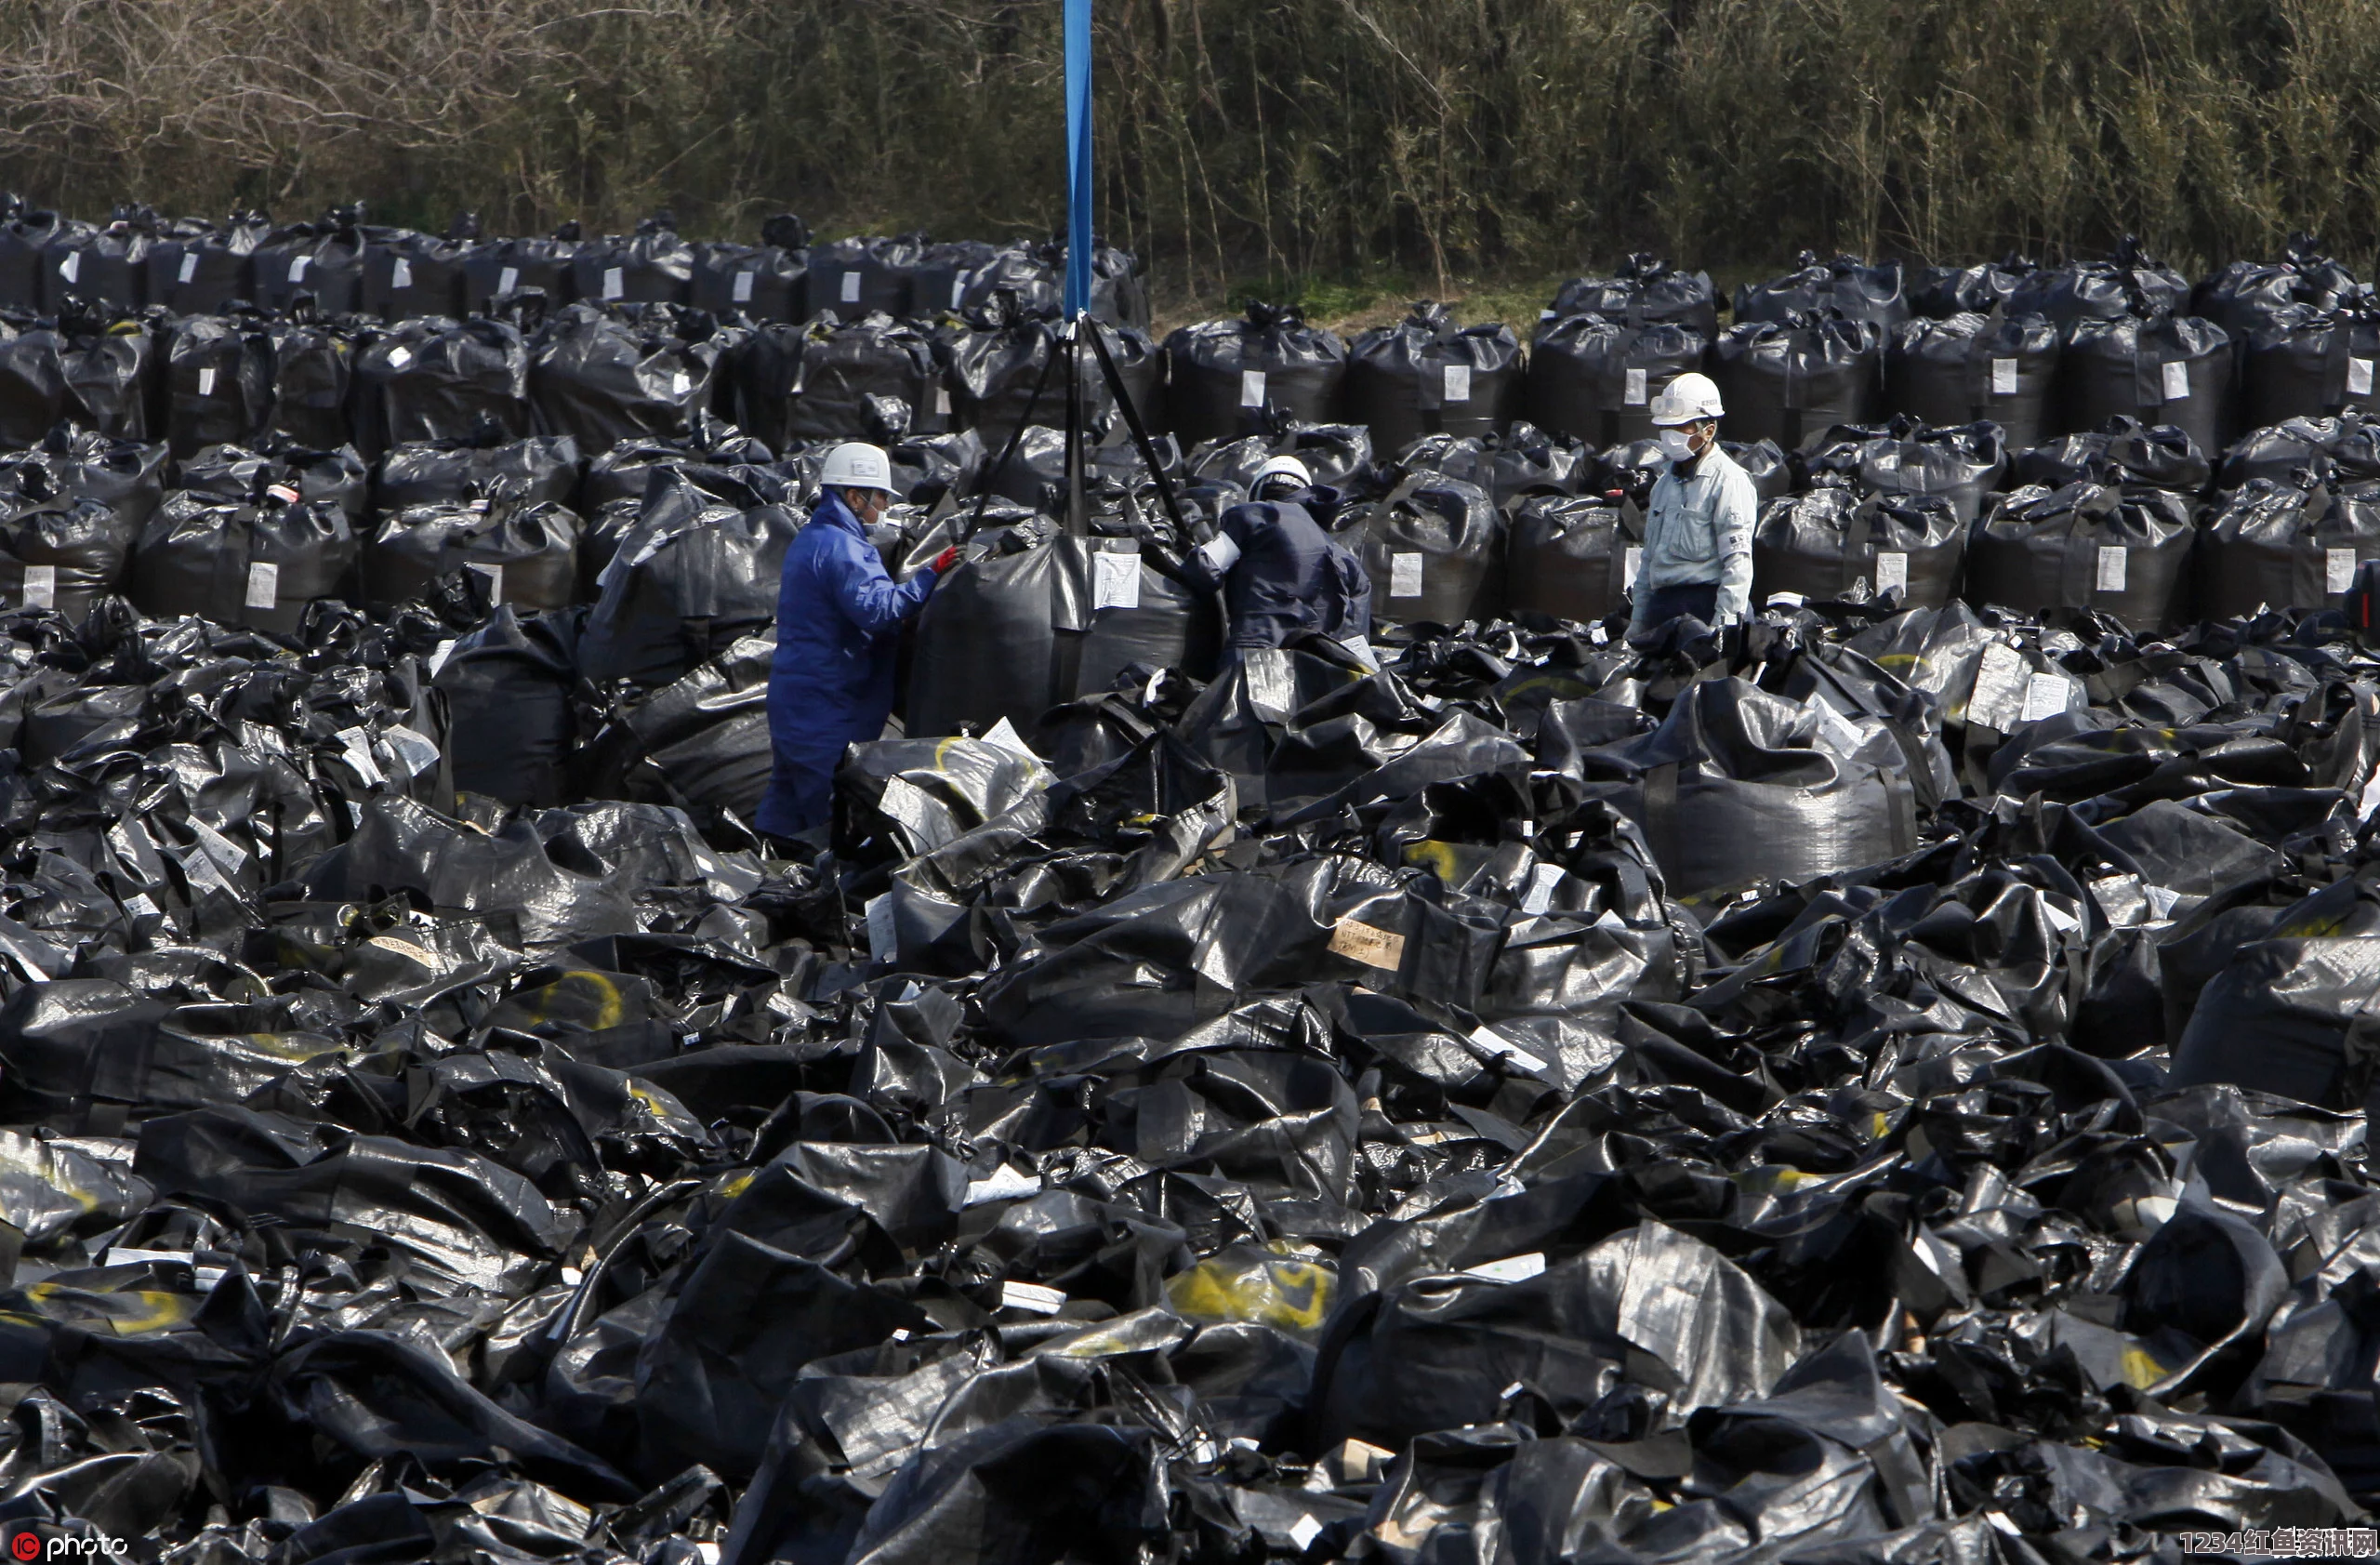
x=1738 y=509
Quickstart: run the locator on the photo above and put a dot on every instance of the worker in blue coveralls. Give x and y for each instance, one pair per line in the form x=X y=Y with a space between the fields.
x=1279 y=573
x=839 y=622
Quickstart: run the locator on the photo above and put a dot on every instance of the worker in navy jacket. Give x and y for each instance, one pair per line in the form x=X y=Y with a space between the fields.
x=1278 y=571
x=839 y=622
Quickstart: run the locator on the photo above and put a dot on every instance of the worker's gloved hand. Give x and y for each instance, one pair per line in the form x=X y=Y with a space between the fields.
x=943 y=561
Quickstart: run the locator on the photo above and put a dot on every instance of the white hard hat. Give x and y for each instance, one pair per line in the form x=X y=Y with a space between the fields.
x=1690 y=399
x=1282 y=467
x=857 y=465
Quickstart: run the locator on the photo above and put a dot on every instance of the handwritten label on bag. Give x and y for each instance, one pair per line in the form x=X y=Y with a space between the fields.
x=400 y=274
x=1892 y=570
x=2003 y=378
x=1631 y=560
x=2177 y=380
x=1404 y=576
x=206 y=382
x=615 y=282
x=190 y=265
x=1252 y=388
x=2045 y=695
x=2111 y=568
x=264 y=584
x=742 y=289
x=41 y=585
x=1632 y=393
x=850 y=287
x=1115 y=580
x=1368 y=944
x=2359 y=377
x=2338 y=569
x=1458 y=383
x=508 y=279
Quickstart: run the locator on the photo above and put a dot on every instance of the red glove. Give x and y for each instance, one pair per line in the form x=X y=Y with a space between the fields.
x=943 y=561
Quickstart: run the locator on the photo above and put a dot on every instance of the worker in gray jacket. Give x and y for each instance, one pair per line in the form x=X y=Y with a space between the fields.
x=1697 y=525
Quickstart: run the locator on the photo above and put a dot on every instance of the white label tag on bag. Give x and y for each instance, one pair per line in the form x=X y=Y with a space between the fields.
x=1252 y=388
x=680 y=383
x=2338 y=569
x=41 y=587
x=2111 y=568
x=1631 y=560
x=1892 y=570
x=1404 y=576
x=882 y=942
x=1512 y=1269
x=264 y=584
x=615 y=285
x=1032 y=1298
x=1633 y=392
x=399 y=356
x=494 y=574
x=1458 y=383
x=2045 y=695
x=850 y=287
x=742 y=291
x=508 y=279
x=400 y=274
x=1368 y=944
x=1998 y=696
x=2177 y=380
x=72 y=266
x=2003 y=378
x=207 y=381
x=942 y=401
x=190 y=265
x=2359 y=376
x=1115 y=580
x=298 y=267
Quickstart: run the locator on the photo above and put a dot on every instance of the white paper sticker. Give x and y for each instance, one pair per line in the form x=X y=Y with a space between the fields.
x=207 y=381
x=1892 y=570
x=2110 y=575
x=680 y=383
x=508 y=279
x=298 y=267
x=1539 y=894
x=615 y=284
x=880 y=936
x=1115 y=580
x=1404 y=575
x=494 y=574
x=1303 y=1530
x=1512 y=1269
x=399 y=356
x=1005 y=1184
x=2045 y=695
x=1032 y=1298
x=359 y=758
x=1252 y=388
x=190 y=265
x=742 y=290
x=41 y=587
x=71 y=267
x=1631 y=560
x=2359 y=376
x=264 y=584
x=1457 y=382
x=942 y=401
x=850 y=287
x=1368 y=944
x=400 y=274
x=2338 y=569
x=1632 y=393
x=2003 y=378
x=2177 y=380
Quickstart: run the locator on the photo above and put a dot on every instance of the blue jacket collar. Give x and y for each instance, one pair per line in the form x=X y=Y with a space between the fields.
x=830 y=508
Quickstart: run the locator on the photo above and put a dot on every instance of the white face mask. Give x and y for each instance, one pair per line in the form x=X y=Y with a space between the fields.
x=1677 y=445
